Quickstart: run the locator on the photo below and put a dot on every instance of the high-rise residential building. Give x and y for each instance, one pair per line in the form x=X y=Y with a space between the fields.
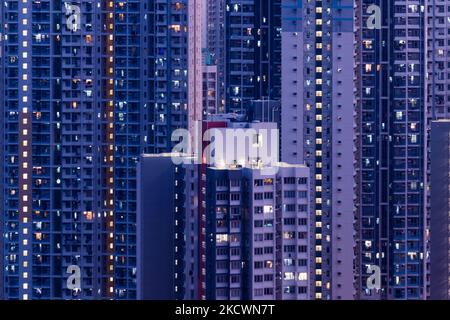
x=161 y=227
x=256 y=242
x=194 y=233
x=129 y=92
x=244 y=40
x=437 y=26
x=318 y=130
x=168 y=71
x=252 y=67
x=257 y=228
x=196 y=46
x=392 y=176
x=218 y=127
x=267 y=49
x=437 y=82
x=440 y=208
x=215 y=44
x=87 y=86
x=57 y=124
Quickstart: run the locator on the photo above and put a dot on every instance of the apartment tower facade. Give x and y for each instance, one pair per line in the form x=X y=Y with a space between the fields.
x=318 y=130
x=392 y=160
x=87 y=87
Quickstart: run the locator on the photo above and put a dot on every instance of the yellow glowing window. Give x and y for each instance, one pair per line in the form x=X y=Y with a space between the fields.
x=367 y=44
x=319 y=57
x=318 y=93
x=319 y=69
x=319 y=117
x=89 y=215
x=319 y=22
x=318 y=177
x=318 y=81
x=318 y=33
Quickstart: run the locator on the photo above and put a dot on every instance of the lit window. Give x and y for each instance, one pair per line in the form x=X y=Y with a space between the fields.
x=302 y=276
x=289 y=276
x=221 y=238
